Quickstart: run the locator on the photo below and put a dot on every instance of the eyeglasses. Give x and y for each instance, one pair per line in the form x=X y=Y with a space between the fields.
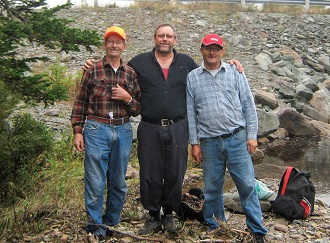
x=112 y=42
x=212 y=48
x=163 y=36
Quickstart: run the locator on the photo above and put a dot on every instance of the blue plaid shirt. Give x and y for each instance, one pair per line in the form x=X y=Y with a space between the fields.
x=216 y=105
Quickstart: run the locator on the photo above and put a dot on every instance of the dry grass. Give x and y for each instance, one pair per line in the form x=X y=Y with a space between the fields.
x=222 y=8
x=294 y=9
x=168 y=7
x=58 y=189
x=279 y=8
x=319 y=10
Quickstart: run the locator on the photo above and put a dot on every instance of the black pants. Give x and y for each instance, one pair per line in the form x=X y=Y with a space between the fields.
x=163 y=154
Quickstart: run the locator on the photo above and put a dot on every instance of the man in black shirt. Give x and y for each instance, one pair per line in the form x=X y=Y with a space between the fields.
x=163 y=132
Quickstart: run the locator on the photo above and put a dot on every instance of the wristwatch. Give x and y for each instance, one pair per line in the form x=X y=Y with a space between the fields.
x=130 y=101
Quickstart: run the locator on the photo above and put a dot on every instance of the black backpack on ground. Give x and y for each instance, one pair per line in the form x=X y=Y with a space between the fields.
x=296 y=195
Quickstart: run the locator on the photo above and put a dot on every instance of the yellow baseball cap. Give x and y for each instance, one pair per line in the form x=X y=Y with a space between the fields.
x=115 y=30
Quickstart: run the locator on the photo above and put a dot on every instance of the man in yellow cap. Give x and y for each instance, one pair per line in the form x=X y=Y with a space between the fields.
x=106 y=98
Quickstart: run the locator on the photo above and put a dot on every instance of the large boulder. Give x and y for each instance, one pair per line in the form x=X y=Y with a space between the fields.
x=321 y=102
x=296 y=123
x=287 y=51
x=266 y=98
x=267 y=122
x=263 y=60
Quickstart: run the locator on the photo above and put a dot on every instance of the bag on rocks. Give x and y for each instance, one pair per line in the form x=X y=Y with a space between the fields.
x=262 y=190
x=296 y=195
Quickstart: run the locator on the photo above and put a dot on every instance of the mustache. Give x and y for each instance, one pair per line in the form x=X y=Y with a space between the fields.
x=169 y=50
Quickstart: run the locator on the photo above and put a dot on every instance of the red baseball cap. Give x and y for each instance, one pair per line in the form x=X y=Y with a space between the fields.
x=212 y=39
x=115 y=30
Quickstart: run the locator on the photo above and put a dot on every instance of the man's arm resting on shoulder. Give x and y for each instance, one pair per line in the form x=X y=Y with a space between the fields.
x=88 y=64
x=237 y=64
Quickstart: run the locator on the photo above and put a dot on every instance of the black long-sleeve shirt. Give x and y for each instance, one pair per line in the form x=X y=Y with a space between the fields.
x=161 y=98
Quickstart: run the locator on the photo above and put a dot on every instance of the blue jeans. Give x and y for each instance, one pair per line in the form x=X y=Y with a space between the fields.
x=107 y=152
x=233 y=153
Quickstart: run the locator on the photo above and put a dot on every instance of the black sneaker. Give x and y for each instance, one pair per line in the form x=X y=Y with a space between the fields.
x=100 y=238
x=150 y=226
x=108 y=232
x=169 y=223
x=258 y=238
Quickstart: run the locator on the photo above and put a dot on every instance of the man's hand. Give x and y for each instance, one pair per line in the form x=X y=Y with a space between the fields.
x=196 y=152
x=118 y=93
x=237 y=64
x=252 y=145
x=88 y=64
x=78 y=142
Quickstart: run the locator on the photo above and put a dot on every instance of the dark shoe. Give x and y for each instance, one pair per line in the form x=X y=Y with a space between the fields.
x=108 y=232
x=197 y=192
x=100 y=237
x=169 y=223
x=150 y=226
x=258 y=238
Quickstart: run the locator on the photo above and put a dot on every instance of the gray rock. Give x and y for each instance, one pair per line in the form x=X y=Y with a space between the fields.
x=326 y=84
x=279 y=71
x=325 y=62
x=276 y=56
x=316 y=66
x=268 y=122
x=314 y=114
x=286 y=92
x=289 y=58
x=318 y=77
x=296 y=124
x=323 y=240
x=281 y=227
x=263 y=60
x=303 y=92
x=310 y=84
x=291 y=55
x=299 y=73
x=266 y=98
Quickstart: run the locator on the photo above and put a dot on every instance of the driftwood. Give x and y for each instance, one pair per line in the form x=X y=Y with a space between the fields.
x=136 y=237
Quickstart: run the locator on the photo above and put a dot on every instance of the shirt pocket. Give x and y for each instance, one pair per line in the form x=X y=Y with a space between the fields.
x=101 y=88
x=231 y=98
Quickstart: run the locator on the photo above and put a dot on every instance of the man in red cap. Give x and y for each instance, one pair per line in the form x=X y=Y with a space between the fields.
x=106 y=98
x=223 y=128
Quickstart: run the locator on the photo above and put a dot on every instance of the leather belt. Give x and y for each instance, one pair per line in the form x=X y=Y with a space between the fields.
x=117 y=121
x=162 y=122
x=231 y=134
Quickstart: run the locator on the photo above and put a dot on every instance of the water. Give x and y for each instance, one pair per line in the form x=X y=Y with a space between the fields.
x=308 y=154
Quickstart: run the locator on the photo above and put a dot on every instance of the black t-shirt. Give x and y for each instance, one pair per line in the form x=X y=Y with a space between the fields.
x=161 y=98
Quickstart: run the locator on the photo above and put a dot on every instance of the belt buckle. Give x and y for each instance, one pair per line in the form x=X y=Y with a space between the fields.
x=111 y=122
x=164 y=122
x=228 y=135
x=115 y=121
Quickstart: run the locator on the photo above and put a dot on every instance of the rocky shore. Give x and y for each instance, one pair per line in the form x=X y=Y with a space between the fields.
x=286 y=60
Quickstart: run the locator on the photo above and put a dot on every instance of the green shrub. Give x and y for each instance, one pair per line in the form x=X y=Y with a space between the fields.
x=21 y=147
x=7 y=102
